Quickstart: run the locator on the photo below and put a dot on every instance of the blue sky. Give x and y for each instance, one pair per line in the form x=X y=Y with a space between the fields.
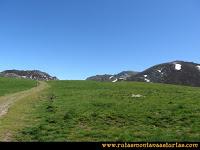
x=74 y=39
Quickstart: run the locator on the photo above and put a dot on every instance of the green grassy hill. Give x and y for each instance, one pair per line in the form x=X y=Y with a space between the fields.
x=11 y=85
x=95 y=111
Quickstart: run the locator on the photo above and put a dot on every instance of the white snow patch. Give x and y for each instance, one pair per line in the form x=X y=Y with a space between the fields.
x=115 y=80
x=111 y=77
x=147 y=80
x=145 y=75
x=159 y=71
x=137 y=95
x=23 y=76
x=178 y=66
x=198 y=67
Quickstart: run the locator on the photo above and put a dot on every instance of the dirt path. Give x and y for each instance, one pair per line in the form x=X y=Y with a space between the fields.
x=8 y=100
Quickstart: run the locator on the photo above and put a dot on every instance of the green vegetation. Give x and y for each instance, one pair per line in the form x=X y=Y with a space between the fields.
x=95 y=111
x=11 y=85
x=16 y=109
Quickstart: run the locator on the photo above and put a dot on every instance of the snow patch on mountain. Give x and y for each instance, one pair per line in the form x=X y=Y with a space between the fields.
x=145 y=75
x=178 y=66
x=147 y=80
x=159 y=71
x=111 y=77
x=198 y=67
x=115 y=80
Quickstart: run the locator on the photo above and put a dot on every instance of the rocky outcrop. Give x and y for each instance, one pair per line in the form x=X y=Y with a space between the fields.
x=27 y=74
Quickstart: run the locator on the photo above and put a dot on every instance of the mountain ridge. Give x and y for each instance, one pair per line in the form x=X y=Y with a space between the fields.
x=27 y=74
x=176 y=72
x=113 y=78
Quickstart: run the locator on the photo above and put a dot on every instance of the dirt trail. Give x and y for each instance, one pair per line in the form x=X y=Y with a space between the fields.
x=8 y=100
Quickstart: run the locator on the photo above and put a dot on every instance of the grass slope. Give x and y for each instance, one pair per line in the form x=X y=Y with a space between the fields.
x=95 y=111
x=11 y=85
x=15 y=110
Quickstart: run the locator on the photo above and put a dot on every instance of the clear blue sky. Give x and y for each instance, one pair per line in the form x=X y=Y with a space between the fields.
x=74 y=39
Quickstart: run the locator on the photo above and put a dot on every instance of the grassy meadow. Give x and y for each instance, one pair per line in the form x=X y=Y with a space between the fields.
x=11 y=85
x=102 y=111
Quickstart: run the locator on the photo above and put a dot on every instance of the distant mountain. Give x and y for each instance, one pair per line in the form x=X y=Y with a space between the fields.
x=27 y=74
x=113 y=78
x=176 y=72
x=105 y=77
x=125 y=74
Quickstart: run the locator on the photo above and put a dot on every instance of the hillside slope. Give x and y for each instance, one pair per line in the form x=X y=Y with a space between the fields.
x=104 y=111
x=10 y=121
x=10 y=99
x=11 y=85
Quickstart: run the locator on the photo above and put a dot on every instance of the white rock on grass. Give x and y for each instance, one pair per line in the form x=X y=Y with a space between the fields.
x=137 y=95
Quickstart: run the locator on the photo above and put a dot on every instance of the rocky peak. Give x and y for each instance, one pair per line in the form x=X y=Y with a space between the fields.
x=27 y=74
